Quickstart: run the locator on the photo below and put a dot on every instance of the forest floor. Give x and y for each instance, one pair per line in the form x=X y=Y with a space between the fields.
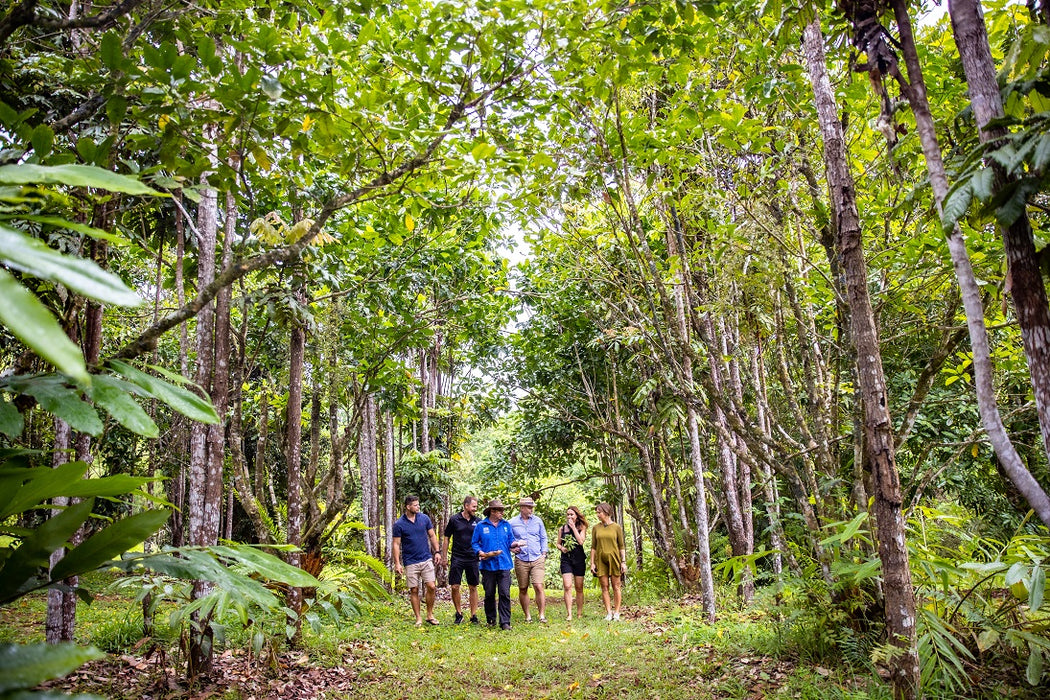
x=659 y=650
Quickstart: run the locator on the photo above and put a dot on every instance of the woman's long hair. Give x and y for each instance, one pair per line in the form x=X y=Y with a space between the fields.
x=579 y=517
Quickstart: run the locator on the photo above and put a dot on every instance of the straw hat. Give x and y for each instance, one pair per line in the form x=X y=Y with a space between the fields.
x=526 y=501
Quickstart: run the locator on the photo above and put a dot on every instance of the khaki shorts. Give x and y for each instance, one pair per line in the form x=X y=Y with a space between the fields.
x=420 y=571
x=530 y=572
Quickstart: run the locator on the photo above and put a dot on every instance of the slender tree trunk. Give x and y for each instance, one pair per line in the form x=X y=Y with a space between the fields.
x=294 y=434
x=368 y=464
x=899 y=595
x=205 y=487
x=388 y=487
x=178 y=519
x=424 y=402
x=57 y=627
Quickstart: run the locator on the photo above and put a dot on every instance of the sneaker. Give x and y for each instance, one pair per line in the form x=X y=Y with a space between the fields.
x=608 y=617
x=459 y=618
x=505 y=626
x=474 y=620
x=616 y=616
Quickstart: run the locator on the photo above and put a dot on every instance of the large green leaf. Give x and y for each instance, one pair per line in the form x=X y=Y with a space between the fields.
x=192 y=563
x=34 y=257
x=182 y=400
x=114 y=396
x=54 y=396
x=269 y=566
x=74 y=176
x=23 y=489
x=21 y=571
x=10 y=419
x=30 y=321
x=111 y=542
x=90 y=231
x=29 y=665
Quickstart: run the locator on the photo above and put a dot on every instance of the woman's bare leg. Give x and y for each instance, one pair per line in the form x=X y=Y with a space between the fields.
x=566 y=584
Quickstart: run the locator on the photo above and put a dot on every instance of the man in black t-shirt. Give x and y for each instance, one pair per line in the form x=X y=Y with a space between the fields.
x=464 y=561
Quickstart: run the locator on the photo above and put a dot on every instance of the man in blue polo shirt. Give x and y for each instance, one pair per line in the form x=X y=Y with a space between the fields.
x=492 y=541
x=414 y=537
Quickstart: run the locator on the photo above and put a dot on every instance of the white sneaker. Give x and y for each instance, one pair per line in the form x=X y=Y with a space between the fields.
x=608 y=617
x=616 y=616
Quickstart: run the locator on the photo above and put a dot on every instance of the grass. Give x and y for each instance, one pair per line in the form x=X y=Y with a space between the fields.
x=663 y=648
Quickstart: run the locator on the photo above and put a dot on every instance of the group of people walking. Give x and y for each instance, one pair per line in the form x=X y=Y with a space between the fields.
x=486 y=551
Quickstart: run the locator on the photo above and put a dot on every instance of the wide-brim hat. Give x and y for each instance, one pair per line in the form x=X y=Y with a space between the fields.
x=494 y=504
x=526 y=502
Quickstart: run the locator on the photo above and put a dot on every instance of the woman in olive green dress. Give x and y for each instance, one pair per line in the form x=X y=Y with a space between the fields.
x=608 y=558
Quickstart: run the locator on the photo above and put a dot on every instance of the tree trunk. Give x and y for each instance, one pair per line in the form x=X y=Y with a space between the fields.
x=879 y=447
x=59 y=627
x=368 y=464
x=205 y=486
x=293 y=442
x=388 y=487
x=424 y=402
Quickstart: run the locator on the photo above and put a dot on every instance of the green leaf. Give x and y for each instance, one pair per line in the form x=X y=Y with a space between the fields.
x=73 y=176
x=10 y=419
x=182 y=400
x=26 y=567
x=955 y=206
x=1015 y=573
x=1034 y=672
x=1036 y=586
x=111 y=542
x=84 y=276
x=22 y=488
x=43 y=139
x=91 y=231
x=269 y=566
x=31 y=322
x=29 y=665
x=111 y=51
x=271 y=86
x=113 y=395
x=116 y=109
x=1041 y=155
x=981 y=183
x=64 y=402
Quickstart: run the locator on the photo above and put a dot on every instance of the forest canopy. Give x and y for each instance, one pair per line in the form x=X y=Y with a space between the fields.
x=768 y=277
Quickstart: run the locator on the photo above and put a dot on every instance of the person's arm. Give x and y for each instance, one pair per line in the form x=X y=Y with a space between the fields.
x=623 y=551
x=557 y=542
x=579 y=534
x=594 y=550
x=475 y=543
x=446 y=541
x=396 y=549
x=543 y=537
x=432 y=536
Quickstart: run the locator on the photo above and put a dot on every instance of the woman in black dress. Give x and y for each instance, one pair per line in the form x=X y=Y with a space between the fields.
x=571 y=537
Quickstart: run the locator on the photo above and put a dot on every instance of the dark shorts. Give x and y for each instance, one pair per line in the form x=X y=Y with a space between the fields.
x=458 y=567
x=576 y=567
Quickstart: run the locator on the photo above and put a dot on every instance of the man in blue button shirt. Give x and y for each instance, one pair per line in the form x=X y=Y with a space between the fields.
x=492 y=541
x=530 y=557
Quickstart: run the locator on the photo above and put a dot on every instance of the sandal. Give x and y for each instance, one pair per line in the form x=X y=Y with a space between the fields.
x=432 y=621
